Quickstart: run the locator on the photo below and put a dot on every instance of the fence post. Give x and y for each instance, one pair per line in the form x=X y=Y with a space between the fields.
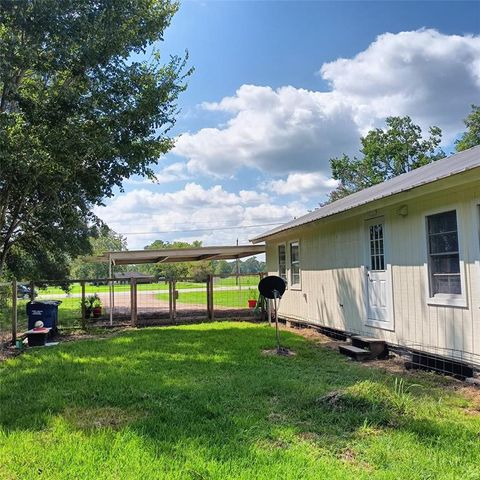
x=210 y=310
x=174 y=300
x=84 y=316
x=170 y=300
x=133 y=300
x=32 y=291
x=14 y=311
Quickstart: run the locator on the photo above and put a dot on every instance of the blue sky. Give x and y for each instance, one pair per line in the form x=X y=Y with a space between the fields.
x=278 y=89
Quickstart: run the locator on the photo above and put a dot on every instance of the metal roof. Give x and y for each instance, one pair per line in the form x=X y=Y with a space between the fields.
x=446 y=167
x=169 y=255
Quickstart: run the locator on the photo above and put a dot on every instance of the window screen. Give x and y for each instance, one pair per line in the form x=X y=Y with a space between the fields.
x=444 y=258
x=282 y=262
x=294 y=263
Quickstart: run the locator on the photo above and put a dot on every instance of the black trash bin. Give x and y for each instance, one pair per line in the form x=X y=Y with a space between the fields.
x=44 y=310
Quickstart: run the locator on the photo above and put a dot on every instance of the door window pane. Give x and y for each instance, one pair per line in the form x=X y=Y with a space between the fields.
x=377 y=256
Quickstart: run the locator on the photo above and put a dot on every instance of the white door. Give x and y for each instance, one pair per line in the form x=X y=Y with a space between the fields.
x=378 y=287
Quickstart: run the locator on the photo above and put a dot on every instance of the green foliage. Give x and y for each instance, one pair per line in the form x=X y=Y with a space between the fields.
x=471 y=137
x=386 y=153
x=78 y=115
x=92 y=301
x=175 y=270
x=107 y=240
x=224 y=268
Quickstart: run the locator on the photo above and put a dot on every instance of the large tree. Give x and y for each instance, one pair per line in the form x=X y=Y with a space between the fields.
x=386 y=153
x=106 y=241
x=79 y=112
x=471 y=137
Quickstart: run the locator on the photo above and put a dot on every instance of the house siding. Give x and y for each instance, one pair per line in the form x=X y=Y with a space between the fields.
x=333 y=276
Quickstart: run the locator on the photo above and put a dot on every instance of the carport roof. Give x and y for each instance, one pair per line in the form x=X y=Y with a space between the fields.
x=169 y=255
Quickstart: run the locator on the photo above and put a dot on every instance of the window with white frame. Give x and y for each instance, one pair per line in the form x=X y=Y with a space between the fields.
x=294 y=263
x=282 y=262
x=443 y=254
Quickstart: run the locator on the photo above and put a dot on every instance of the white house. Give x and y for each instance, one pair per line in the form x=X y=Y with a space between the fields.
x=398 y=261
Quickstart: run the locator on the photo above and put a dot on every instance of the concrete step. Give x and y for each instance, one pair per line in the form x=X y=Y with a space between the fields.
x=376 y=346
x=356 y=353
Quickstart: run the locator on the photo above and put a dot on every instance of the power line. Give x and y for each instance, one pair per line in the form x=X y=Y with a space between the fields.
x=197 y=222
x=203 y=229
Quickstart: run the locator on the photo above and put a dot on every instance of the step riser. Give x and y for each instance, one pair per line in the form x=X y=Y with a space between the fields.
x=378 y=349
x=359 y=356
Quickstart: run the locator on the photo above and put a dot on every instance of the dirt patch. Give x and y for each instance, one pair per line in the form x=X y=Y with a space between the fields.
x=8 y=352
x=313 y=335
x=332 y=399
x=310 y=437
x=101 y=417
x=349 y=455
x=284 y=352
x=276 y=417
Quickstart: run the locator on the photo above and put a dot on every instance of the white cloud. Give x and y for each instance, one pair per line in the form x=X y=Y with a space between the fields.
x=430 y=76
x=174 y=172
x=315 y=183
x=273 y=130
x=425 y=74
x=216 y=215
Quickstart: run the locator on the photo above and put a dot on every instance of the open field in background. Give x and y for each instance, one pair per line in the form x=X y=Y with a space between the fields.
x=152 y=298
x=202 y=402
x=223 y=298
x=250 y=280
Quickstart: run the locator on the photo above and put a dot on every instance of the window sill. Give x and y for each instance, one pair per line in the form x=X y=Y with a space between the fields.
x=448 y=301
x=295 y=287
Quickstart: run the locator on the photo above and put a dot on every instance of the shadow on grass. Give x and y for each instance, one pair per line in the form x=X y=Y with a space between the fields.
x=208 y=385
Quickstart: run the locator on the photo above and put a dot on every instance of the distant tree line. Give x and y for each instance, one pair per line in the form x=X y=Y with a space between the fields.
x=108 y=240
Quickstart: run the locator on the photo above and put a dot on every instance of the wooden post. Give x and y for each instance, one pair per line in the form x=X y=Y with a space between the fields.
x=170 y=299
x=32 y=291
x=14 y=311
x=210 y=307
x=84 y=313
x=112 y=294
x=174 y=300
x=133 y=300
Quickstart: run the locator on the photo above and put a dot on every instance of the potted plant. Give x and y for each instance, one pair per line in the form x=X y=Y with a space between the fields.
x=93 y=306
x=96 y=307
x=88 y=305
x=252 y=298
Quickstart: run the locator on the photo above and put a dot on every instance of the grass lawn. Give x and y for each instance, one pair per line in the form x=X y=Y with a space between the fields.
x=202 y=402
x=221 y=298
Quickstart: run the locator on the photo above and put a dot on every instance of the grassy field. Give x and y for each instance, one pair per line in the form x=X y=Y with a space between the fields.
x=221 y=298
x=202 y=402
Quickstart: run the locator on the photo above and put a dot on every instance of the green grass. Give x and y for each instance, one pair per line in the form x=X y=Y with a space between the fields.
x=202 y=402
x=221 y=298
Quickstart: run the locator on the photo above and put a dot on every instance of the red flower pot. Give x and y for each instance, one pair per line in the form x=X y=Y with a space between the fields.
x=97 y=312
x=252 y=303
